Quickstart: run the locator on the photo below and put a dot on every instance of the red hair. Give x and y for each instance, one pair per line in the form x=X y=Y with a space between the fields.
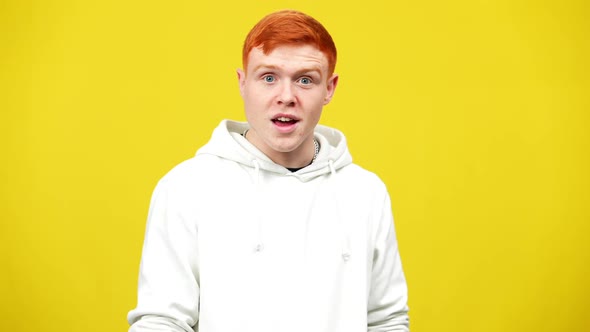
x=289 y=27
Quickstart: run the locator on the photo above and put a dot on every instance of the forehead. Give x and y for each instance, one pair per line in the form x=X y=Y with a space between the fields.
x=288 y=57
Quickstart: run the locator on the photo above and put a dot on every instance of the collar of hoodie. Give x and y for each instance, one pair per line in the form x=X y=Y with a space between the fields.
x=227 y=142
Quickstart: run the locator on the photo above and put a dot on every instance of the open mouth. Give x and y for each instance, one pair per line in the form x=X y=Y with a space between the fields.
x=284 y=121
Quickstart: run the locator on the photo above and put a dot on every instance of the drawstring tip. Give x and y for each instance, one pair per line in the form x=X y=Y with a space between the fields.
x=258 y=248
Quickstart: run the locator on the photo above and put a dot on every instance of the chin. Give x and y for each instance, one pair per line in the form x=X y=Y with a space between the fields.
x=286 y=148
x=283 y=149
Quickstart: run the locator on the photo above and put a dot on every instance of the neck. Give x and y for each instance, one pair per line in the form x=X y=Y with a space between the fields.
x=300 y=157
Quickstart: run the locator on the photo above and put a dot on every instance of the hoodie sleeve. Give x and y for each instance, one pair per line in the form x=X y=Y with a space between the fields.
x=387 y=305
x=168 y=288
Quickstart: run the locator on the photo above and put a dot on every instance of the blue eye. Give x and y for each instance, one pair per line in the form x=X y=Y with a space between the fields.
x=305 y=80
x=269 y=78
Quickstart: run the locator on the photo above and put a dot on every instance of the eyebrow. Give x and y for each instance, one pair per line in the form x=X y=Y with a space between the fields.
x=303 y=70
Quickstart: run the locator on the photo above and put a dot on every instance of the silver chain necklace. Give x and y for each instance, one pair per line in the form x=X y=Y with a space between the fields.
x=317 y=149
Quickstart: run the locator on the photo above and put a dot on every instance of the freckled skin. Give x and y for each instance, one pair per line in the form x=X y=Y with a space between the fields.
x=290 y=81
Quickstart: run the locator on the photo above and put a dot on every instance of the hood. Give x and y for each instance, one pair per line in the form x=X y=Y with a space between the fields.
x=227 y=142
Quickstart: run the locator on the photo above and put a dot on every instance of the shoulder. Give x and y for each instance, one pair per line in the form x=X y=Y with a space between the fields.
x=187 y=169
x=192 y=174
x=359 y=187
x=361 y=178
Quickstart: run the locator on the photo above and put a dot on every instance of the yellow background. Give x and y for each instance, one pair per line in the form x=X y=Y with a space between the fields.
x=475 y=114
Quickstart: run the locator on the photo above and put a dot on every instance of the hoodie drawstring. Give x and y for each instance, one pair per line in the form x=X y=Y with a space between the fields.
x=343 y=226
x=332 y=169
x=259 y=245
x=256 y=173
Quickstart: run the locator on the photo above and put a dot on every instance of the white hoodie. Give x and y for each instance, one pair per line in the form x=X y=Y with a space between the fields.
x=237 y=243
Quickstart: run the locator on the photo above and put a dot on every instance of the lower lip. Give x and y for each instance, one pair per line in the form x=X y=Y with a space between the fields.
x=285 y=127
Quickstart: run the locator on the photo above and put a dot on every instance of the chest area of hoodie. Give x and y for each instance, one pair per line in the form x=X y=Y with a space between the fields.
x=281 y=226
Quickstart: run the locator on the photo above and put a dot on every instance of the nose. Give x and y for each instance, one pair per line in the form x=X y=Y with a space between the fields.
x=286 y=94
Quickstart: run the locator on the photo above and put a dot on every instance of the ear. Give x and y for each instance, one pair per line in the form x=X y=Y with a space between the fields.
x=241 y=80
x=331 y=87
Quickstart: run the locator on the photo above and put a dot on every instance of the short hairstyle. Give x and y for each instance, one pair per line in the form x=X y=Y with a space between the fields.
x=289 y=27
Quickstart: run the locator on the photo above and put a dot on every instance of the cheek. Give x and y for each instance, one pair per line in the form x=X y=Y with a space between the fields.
x=256 y=96
x=249 y=100
x=316 y=100
x=255 y=105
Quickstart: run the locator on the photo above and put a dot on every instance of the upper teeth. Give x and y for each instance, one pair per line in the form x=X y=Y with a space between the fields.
x=284 y=119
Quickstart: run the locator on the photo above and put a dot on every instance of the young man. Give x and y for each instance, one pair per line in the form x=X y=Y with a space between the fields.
x=270 y=227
